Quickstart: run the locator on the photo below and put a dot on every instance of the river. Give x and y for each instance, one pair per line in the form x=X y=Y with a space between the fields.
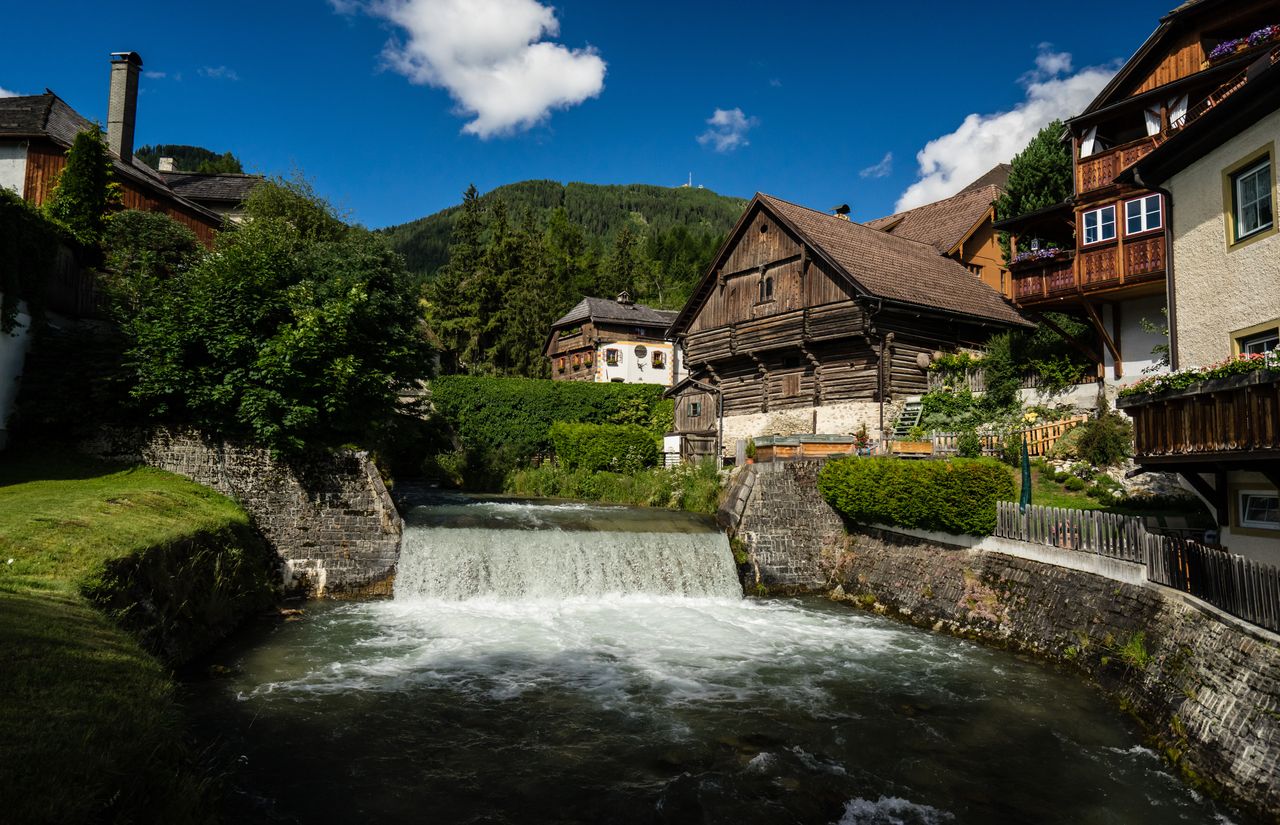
x=569 y=663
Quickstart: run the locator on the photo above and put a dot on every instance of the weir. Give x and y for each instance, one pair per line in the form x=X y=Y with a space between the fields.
x=514 y=551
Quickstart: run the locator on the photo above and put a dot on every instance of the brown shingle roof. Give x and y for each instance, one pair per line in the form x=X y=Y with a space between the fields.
x=225 y=187
x=895 y=268
x=945 y=223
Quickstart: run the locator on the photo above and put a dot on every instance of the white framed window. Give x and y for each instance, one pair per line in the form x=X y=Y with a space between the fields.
x=1252 y=193
x=1142 y=215
x=1260 y=509
x=1100 y=225
x=1260 y=343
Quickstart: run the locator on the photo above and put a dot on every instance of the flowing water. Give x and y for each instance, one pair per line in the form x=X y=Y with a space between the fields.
x=568 y=663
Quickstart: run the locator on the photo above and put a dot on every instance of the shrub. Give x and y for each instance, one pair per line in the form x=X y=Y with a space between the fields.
x=28 y=247
x=85 y=192
x=969 y=444
x=500 y=423
x=1075 y=484
x=623 y=448
x=957 y=496
x=1105 y=440
x=695 y=488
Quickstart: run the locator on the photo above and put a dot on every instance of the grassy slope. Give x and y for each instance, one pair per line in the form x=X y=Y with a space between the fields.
x=88 y=728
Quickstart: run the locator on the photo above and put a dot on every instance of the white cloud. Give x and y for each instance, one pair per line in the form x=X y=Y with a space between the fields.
x=219 y=73
x=6 y=93
x=490 y=55
x=880 y=170
x=728 y=130
x=775 y=83
x=953 y=161
x=155 y=75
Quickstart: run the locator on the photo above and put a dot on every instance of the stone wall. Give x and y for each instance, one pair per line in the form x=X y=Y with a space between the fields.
x=1206 y=686
x=331 y=520
x=787 y=527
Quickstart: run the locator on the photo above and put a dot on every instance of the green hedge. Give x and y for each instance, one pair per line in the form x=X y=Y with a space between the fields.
x=957 y=496
x=623 y=448
x=502 y=422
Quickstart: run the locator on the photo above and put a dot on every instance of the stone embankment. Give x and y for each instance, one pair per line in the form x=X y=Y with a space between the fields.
x=330 y=519
x=1205 y=686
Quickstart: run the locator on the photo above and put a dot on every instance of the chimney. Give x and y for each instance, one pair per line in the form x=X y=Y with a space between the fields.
x=123 y=104
x=167 y=165
x=624 y=298
x=841 y=211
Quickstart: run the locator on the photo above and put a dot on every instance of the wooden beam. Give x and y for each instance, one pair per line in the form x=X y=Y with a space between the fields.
x=1215 y=494
x=1102 y=330
x=1084 y=349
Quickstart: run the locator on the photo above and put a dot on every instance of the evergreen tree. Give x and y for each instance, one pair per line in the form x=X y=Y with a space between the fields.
x=84 y=192
x=1040 y=176
x=450 y=316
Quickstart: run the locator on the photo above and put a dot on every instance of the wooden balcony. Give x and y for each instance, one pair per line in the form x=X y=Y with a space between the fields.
x=1105 y=267
x=1100 y=169
x=1233 y=421
x=774 y=332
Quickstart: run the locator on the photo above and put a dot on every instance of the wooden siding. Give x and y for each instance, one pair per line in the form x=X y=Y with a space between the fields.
x=45 y=162
x=1184 y=58
x=798 y=280
x=685 y=421
x=1238 y=416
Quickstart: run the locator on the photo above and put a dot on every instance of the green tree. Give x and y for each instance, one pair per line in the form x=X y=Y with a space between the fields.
x=143 y=251
x=1039 y=176
x=451 y=317
x=190 y=158
x=84 y=192
x=298 y=331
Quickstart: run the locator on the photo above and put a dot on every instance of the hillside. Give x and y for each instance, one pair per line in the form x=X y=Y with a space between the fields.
x=600 y=210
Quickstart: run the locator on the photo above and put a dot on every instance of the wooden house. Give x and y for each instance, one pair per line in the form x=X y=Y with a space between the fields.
x=806 y=322
x=37 y=130
x=1222 y=435
x=960 y=227
x=1111 y=260
x=613 y=341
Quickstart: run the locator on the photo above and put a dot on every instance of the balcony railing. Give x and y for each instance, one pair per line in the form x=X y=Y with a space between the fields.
x=1236 y=417
x=1044 y=279
x=1100 y=169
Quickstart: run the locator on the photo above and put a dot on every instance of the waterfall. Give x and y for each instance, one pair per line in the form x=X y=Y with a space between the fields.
x=527 y=552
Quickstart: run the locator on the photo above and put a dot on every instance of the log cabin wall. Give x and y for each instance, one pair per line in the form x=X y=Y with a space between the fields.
x=45 y=162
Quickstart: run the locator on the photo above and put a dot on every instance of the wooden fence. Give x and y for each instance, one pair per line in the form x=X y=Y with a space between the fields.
x=1086 y=531
x=1245 y=588
x=1042 y=437
x=947 y=444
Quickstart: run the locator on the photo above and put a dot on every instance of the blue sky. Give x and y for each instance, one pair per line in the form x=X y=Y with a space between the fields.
x=819 y=103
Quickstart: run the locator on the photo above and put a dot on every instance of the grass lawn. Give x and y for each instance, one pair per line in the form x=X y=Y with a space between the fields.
x=88 y=727
x=1045 y=492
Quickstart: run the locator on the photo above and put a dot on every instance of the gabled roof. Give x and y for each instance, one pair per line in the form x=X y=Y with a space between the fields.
x=603 y=309
x=945 y=223
x=223 y=187
x=49 y=116
x=875 y=263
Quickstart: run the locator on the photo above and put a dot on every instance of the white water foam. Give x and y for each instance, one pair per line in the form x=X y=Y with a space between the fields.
x=892 y=810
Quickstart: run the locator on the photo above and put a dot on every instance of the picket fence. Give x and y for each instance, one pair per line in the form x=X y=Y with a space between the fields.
x=1245 y=588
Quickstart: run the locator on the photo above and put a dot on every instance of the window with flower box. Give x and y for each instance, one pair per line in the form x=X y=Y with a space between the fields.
x=1142 y=215
x=659 y=359
x=1099 y=225
x=560 y=365
x=612 y=357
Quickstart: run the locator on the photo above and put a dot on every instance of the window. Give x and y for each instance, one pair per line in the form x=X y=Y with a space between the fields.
x=1142 y=215
x=695 y=409
x=560 y=365
x=1251 y=191
x=766 y=288
x=659 y=359
x=613 y=357
x=1260 y=508
x=1260 y=343
x=1100 y=225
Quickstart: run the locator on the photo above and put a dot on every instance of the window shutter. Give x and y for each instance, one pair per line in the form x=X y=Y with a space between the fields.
x=1177 y=111
x=1089 y=143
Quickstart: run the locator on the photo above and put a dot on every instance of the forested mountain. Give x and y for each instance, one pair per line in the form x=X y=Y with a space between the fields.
x=599 y=210
x=190 y=158
x=498 y=270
